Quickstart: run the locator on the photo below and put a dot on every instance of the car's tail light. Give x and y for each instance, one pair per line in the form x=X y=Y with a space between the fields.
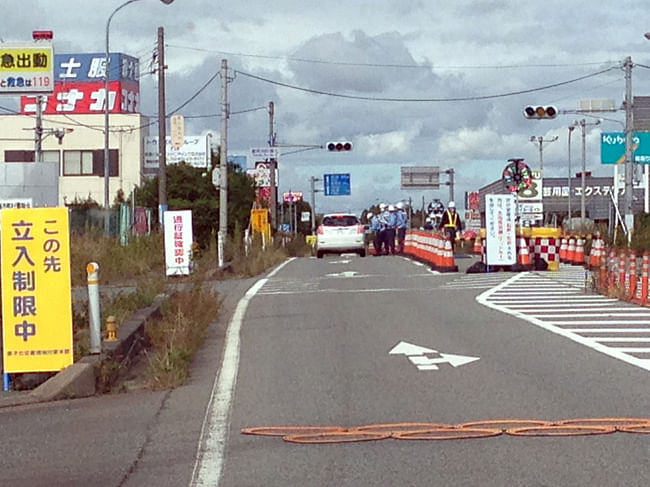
x=360 y=229
x=320 y=230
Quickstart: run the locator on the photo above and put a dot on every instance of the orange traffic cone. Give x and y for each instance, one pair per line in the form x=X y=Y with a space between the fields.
x=448 y=263
x=477 y=245
x=579 y=256
x=571 y=250
x=523 y=255
x=596 y=251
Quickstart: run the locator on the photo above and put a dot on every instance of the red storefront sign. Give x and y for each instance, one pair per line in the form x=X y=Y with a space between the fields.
x=86 y=97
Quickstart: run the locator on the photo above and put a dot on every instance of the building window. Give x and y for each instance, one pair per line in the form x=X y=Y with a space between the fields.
x=89 y=163
x=29 y=156
x=77 y=163
x=19 y=156
x=51 y=156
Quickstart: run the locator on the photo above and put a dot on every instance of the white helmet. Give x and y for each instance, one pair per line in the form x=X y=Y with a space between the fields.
x=400 y=205
x=382 y=206
x=391 y=208
x=451 y=205
x=370 y=215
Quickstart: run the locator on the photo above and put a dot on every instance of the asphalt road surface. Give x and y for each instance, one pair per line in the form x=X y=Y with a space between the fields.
x=347 y=348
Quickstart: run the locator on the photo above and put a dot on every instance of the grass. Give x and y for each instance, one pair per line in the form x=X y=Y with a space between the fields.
x=172 y=341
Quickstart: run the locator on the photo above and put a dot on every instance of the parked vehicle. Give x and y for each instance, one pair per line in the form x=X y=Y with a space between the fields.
x=339 y=233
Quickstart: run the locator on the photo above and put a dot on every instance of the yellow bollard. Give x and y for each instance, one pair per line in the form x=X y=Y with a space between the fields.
x=111 y=329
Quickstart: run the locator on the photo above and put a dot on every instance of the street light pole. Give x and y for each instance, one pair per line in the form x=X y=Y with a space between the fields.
x=571 y=129
x=107 y=109
x=582 y=124
x=541 y=140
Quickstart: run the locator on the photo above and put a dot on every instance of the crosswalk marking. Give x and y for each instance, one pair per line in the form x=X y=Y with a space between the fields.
x=564 y=304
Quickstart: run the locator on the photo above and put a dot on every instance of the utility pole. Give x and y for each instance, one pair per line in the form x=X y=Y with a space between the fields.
x=450 y=183
x=313 y=181
x=162 y=132
x=629 y=168
x=223 y=166
x=38 y=133
x=273 y=203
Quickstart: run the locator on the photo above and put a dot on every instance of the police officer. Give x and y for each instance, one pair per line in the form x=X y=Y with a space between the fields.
x=374 y=228
x=391 y=229
x=450 y=223
x=382 y=225
x=402 y=224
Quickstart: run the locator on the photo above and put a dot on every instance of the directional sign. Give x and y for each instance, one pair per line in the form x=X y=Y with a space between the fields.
x=336 y=184
x=612 y=147
x=263 y=153
x=419 y=356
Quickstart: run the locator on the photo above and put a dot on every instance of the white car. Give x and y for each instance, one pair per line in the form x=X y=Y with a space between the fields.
x=338 y=233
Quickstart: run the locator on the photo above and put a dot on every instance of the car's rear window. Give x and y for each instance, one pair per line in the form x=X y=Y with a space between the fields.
x=340 y=220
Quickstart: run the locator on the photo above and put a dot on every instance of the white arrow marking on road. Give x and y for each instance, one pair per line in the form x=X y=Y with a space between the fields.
x=417 y=356
x=403 y=348
x=343 y=274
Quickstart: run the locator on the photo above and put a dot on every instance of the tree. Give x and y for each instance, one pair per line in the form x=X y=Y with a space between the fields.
x=191 y=188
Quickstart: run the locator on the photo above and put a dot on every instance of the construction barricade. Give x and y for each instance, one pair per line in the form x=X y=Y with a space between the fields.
x=432 y=248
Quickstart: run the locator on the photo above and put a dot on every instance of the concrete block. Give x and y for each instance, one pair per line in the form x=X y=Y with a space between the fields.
x=77 y=380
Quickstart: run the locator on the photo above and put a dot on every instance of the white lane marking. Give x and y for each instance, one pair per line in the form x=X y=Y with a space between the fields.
x=210 y=454
x=585 y=312
x=565 y=304
x=608 y=330
x=618 y=353
x=621 y=339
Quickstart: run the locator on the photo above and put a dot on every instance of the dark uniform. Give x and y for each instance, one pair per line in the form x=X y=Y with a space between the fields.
x=450 y=224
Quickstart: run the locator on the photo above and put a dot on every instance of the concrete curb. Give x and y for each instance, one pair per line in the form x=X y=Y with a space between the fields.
x=80 y=379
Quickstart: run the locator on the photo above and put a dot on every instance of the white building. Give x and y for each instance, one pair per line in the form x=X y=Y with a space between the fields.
x=80 y=153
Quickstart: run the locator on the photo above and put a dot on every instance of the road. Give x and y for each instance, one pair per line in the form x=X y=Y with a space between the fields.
x=348 y=342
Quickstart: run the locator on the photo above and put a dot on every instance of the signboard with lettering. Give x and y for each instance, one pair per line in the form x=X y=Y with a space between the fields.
x=26 y=68
x=36 y=294
x=500 y=229
x=178 y=242
x=92 y=67
x=264 y=153
x=78 y=85
x=612 y=147
x=336 y=184
x=195 y=151
x=86 y=97
x=423 y=177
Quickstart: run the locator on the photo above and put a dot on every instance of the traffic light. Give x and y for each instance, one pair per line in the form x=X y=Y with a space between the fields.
x=340 y=146
x=540 y=112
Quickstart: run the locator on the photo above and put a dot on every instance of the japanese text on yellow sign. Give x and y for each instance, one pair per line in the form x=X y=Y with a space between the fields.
x=26 y=69
x=36 y=299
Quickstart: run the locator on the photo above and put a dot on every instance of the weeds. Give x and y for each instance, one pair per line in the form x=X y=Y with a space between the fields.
x=177 y=336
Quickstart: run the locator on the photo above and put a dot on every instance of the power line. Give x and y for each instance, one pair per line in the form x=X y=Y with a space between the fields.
x=387 y=65
x=424 y=100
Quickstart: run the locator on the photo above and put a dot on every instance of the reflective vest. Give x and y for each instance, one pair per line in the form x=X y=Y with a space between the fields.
x=452 y=219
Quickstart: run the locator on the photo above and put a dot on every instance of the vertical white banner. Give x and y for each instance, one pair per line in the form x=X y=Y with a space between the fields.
x=501 y=241
x=178 y=242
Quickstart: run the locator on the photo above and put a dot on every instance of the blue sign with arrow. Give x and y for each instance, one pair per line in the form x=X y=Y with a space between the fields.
x=337 y=184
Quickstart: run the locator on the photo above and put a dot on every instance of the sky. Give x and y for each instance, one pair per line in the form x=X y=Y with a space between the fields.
x=408 y=82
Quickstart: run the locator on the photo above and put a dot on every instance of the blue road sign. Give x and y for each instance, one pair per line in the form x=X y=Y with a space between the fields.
x=337 y=184
x=612 y=147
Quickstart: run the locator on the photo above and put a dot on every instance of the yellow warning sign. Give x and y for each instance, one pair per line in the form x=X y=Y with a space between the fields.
x=36 y=295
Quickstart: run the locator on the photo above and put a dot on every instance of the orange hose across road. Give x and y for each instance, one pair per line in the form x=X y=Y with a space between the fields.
x=441 y=431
